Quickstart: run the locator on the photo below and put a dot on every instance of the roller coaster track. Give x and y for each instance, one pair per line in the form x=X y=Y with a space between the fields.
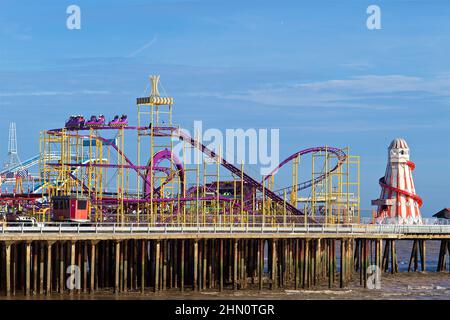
x=273 y=195
x=158 y=157
x=184 y=137
x=248 y=179
x=341 y=156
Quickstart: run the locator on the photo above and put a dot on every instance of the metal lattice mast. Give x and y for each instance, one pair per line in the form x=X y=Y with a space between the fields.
x=13 y=158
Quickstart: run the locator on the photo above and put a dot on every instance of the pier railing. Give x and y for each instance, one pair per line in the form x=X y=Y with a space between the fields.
x=135 y=228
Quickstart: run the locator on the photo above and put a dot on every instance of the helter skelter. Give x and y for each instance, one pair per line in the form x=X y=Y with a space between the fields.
x=398 y=202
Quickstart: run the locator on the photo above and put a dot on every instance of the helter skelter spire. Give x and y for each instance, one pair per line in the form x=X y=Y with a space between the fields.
x=398 y=202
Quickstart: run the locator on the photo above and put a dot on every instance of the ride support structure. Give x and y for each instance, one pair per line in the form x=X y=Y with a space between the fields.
x=173 y=179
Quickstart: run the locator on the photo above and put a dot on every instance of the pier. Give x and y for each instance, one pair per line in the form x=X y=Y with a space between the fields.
x=179 y=214
x=74 y=258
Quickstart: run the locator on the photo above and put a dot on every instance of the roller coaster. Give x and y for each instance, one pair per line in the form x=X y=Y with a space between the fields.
x=90 y=159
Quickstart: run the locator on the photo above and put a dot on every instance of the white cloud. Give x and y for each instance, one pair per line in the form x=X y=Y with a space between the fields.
x=362 y=92
x=53 y=93
x=358 y=65
x=366 y=84
x=358 y=126
x=16 y=31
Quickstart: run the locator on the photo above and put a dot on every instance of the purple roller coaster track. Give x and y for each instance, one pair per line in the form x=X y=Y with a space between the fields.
x=166 y=154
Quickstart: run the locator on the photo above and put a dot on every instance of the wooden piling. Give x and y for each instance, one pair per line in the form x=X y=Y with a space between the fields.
x=195 y=282
x=117 y=267
x=61 y=268
x=8 y=268
x=274 y=264
x=157 y=264
x=35 y=255
x=413 y=257
x=182 y=265
x=441 y=256
x=423 y=259
x=72 y=262
x=175 y=264
x=92 y=267
x=204 y=262
x=15 y=258
x=342 y=283
x=306 y=264
x=221 y=266
x=164 y=264
x=330 y=264
x=235 y=269
x=27 y=267
x=366 y=261
x=84 y=264
x=243 y=275
x=48 y=288
x=261 y=264
x=143 y=255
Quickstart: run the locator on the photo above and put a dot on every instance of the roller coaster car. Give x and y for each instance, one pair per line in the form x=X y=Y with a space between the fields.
x=94 y=122
x=75 y=122
x=119 y=122
x=71 y=208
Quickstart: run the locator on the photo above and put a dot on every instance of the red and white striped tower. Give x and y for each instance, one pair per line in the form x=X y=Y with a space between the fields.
x=398 y=202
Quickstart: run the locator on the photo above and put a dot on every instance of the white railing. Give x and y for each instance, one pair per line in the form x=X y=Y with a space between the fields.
x=140 y=228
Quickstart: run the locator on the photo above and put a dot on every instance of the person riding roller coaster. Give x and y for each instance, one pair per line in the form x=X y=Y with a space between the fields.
x=75 y=122
x=114 y=121
x=119 y=122
x=94 y=122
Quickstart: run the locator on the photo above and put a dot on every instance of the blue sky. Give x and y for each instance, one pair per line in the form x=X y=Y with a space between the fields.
x=310 y=68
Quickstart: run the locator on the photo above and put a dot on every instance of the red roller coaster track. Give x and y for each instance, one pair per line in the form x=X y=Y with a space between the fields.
x=413 y=196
